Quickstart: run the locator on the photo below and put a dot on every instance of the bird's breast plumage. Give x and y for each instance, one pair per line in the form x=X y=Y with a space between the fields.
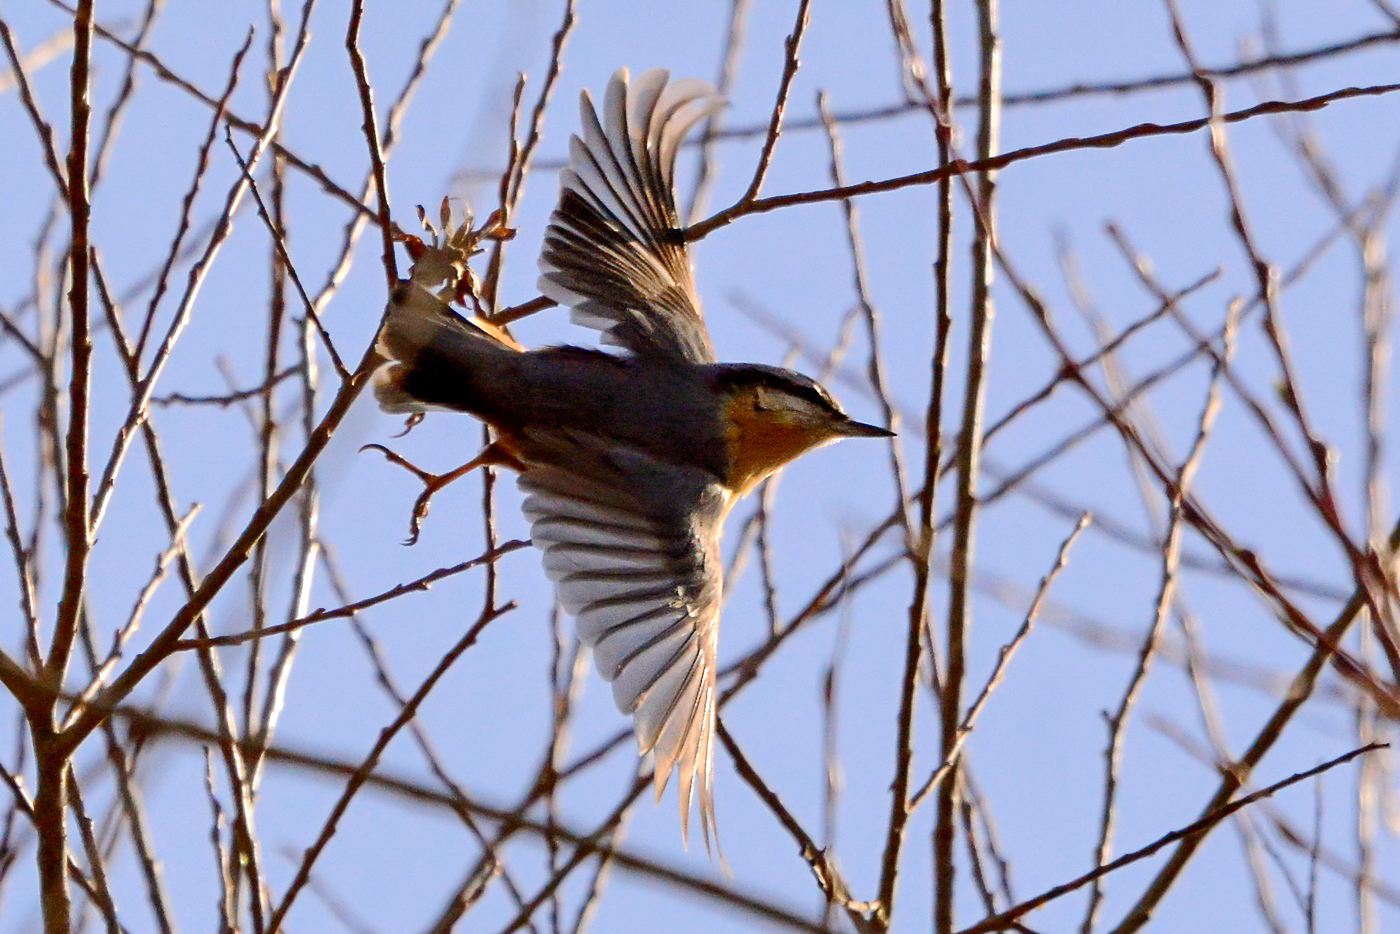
x=759 y=441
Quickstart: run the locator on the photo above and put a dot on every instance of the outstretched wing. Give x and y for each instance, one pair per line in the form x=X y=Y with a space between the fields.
x=613 y=251
x=632 y=544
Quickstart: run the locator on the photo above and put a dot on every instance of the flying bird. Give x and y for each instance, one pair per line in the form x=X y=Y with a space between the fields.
x=629 y=461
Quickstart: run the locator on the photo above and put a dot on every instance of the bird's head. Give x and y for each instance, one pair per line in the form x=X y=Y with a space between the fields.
x=774 y=415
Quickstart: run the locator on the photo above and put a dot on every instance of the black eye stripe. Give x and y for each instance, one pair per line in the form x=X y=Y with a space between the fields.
x=779 y=380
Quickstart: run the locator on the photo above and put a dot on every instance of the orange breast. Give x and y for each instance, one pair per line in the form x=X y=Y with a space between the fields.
x=760 y=442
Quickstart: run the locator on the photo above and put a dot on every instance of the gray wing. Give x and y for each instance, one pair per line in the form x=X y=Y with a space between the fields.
x=613 y=251
x=632 y=544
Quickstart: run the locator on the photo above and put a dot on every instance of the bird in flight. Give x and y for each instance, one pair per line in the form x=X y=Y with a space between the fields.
x=629 y=461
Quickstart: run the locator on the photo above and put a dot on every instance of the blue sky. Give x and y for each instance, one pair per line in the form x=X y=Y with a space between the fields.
x=1037 y=754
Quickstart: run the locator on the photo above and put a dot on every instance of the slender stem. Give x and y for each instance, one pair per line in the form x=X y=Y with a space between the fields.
x=1196 y=829
x=1108 y=140
x=370 y=126
x=969 y=461
x=1234 y=778
x=52 y=761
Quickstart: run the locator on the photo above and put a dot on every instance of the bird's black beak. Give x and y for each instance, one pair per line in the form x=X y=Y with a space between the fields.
x=855 y=429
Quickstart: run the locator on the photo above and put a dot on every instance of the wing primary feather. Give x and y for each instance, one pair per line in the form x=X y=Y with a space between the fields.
x=614 y=238
x=684 y=753
x=651 y=716
x=600 y=626
x=679 y=724
x=643 y=95
x=639 y=646
x=622 y=646
x=619 y=140
x=704 y=770
x=651 y=676
x=599 y=154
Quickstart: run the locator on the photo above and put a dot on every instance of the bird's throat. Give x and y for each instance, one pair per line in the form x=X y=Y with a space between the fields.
x=759 y=444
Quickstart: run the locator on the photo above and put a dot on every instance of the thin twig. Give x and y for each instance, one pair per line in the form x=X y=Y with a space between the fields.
x=420 y=584
x=792 y=46
x=1108 y=140
x=1199 y=827
x=969 y=456
x=370 y=127
x=22 y=565
x=833 y=886
x=998 y=672
x=371 y=759
x=280 y=243
x=1298 y=692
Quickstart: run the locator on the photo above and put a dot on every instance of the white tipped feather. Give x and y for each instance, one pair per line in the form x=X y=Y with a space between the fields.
x=613 y=240
x=549 y=506
x=643 y=95
x=598 y=621
x=645 y=593
x=650 y=689
x=680 y=726
x=589 y=320
x=681 y=748
x=699 y=762
x=646 y=647
x=598 y=168
x=675 y=129
x=562 y=530
x=632 y=543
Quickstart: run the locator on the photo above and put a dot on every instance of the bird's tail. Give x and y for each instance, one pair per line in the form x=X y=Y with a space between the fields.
x=434 y=357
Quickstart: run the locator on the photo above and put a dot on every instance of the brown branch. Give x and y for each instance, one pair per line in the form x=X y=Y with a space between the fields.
x=1108 y=140
x=518 y=165
x=52 y=762
x=792 y=46
x=31 y=108
x=371 y=131
x=1244 y=68
x=174 y=254
x=734 y=37
x=222 y=858
x=828 y=877
x=227 y=399
x=420 y=584
x=234 y=557
x=77 y=539
x=139 y=408
x=523 y=310
x=969 y=467
x=281 y=245
x=371 y=760
x=39 y=56
x=255 y=130
x=998 y=672
x=1166 y=597
x=1199 y=827
x=1298 y=692
x=23 y=567
x=101 y=893
x=388 y=684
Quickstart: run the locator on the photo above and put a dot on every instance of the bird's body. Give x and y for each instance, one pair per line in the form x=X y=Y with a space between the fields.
x=575 y=389
x=629 y=462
